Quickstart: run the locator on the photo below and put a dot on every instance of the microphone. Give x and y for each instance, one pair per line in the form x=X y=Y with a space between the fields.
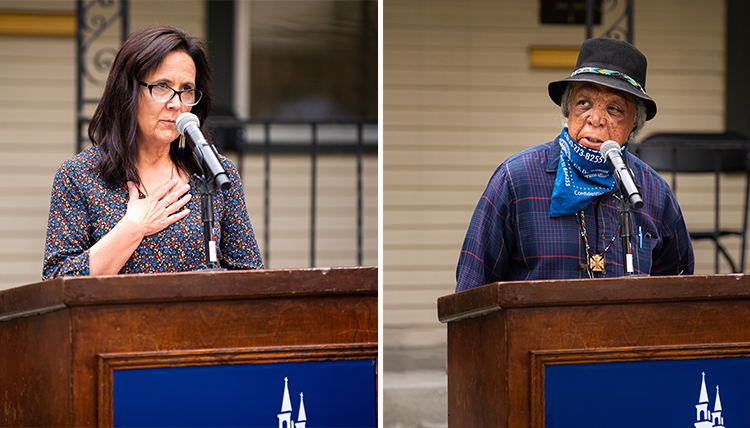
x=206 y=153
x=623 y=176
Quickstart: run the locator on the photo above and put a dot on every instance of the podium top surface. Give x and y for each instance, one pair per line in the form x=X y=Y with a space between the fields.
x=61 y=293
x=576 y=292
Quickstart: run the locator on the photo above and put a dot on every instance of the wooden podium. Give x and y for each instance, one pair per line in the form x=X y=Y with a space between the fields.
x=62 y=340
x=503 y=338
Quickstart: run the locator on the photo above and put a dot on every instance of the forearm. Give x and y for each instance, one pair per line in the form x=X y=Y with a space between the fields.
x=110 y=253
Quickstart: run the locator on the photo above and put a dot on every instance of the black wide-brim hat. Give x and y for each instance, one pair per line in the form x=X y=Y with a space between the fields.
x=609 y=62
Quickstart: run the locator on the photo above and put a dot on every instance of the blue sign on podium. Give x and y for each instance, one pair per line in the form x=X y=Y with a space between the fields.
x=338 y=393
x=699 y=393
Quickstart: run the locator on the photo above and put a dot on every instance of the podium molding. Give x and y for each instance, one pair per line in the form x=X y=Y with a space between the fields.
x=542 y=359
x=108 y=363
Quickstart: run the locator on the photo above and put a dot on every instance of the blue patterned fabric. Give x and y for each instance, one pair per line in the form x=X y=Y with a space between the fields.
x=582 y=175
x=512 y=236
x=83 y=210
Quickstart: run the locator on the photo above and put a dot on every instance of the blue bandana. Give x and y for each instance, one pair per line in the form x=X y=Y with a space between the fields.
x=582 y=175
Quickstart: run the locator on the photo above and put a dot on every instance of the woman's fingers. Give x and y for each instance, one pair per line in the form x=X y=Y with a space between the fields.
x=161 y=208
x=165 y=189
x=175 y=206
x=174 y=196
x=178 y=216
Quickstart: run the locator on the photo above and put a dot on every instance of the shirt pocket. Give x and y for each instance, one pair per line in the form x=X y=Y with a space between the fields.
x=643 y=251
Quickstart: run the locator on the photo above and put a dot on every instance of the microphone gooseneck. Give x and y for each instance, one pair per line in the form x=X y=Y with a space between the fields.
x=611 y=151
x=188 y=124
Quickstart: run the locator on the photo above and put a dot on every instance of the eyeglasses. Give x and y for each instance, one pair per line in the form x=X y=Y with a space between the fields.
x=163 y=93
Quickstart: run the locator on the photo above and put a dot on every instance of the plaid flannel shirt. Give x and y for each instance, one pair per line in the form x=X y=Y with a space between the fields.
x=511 y=236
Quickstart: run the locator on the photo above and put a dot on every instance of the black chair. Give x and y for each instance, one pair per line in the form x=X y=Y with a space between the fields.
x=704 y=153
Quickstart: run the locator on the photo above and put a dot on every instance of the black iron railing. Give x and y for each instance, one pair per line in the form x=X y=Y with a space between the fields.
x=233 y=135
x=95 y=18
x=621 y=28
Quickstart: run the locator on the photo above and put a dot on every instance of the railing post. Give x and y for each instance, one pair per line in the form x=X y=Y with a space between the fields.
x=313 y=190
x=360 y=149
x=266 y=189
x=80 y=22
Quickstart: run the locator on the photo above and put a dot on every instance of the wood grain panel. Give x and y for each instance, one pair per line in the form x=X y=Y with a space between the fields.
x=35 y=367
x=52 y=331
x=577 y=320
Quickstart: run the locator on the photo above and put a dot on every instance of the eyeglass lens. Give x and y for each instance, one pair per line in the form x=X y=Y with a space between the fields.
x=163 y=94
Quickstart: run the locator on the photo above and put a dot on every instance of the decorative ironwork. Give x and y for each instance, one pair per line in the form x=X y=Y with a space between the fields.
x=621 y=28
x=95 y=53
x=312 y=146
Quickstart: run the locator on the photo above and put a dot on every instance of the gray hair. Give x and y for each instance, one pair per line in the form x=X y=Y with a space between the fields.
x=640 y=111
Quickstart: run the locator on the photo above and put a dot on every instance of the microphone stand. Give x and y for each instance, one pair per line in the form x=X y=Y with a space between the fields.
x=626 y=224
x=626 y=233
x=206 y=190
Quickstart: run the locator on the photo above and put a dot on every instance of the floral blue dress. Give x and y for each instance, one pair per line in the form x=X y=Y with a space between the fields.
x=83 y=209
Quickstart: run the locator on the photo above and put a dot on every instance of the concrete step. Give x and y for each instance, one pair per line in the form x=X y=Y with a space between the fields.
x=415 y=399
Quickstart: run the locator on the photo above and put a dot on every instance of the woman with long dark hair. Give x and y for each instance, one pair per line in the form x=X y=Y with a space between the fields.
x=128 y=204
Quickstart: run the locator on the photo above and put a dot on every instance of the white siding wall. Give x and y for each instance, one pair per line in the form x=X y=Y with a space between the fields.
x=460 y=97
x=37 y=103
x=37 y=119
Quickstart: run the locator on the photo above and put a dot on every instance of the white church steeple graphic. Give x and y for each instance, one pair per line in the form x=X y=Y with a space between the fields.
x=704 y=417
x=285 y=417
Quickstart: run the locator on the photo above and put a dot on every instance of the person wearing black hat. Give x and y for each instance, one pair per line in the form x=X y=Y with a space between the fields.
x=549 y=212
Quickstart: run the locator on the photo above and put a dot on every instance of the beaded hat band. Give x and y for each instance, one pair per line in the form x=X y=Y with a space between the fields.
x=613 y=73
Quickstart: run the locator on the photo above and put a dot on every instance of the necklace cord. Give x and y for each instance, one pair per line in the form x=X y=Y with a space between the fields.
x=595 y=262
x=171 y=176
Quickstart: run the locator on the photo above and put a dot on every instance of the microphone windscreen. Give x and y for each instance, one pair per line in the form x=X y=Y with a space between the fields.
x=184 y=119
x=606 y=147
